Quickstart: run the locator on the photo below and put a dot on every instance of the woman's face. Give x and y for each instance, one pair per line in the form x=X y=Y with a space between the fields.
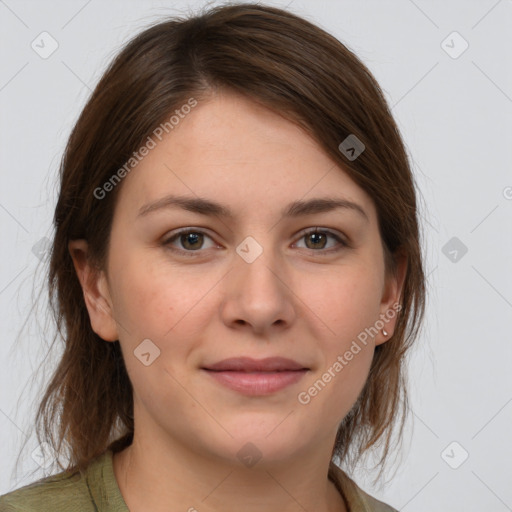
x=245 y=280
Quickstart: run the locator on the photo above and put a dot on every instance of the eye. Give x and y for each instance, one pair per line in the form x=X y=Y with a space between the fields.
x=191 y=240
x=317 y=239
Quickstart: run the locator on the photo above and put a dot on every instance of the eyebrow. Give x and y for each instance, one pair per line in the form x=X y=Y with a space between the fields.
x=204 y=206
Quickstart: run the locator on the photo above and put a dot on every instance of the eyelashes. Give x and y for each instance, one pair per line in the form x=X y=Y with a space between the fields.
x=324 y=235
x=186 y=231
x=192 y=241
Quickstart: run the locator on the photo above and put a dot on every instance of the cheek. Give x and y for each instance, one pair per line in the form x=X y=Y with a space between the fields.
x=347 y=302
x=147 y=296
x=333 y=389
x=349 y=382
x=159 y=301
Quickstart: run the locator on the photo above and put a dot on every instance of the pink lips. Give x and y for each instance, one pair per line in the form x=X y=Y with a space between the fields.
x=256 y=376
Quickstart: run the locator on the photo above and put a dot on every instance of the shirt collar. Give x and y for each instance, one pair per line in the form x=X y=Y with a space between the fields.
x=105 y=491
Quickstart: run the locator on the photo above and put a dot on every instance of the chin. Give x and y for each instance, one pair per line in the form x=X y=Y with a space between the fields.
x=273 y=437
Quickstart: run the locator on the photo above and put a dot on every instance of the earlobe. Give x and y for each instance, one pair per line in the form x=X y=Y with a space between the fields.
x=391 y=300
x=95 y=291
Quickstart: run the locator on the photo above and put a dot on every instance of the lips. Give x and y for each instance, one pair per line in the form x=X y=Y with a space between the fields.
x=256 y=377
x=247 y=364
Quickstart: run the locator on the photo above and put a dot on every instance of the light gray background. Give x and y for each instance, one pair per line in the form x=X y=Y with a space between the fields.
x=455 y=115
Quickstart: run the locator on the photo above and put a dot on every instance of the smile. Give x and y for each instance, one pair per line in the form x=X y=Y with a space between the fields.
x=256 y=376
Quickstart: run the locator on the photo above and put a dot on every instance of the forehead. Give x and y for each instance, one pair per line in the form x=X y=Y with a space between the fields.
x=235 y=150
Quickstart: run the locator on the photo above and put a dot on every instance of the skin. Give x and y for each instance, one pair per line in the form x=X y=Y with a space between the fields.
x=292 y=301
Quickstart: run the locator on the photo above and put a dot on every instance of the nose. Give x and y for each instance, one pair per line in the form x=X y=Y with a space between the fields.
x=258 y=296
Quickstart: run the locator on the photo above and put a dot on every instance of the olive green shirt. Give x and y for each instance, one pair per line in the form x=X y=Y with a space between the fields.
x=97 y=491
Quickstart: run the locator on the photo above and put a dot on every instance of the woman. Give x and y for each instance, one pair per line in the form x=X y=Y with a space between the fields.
x=236 y=273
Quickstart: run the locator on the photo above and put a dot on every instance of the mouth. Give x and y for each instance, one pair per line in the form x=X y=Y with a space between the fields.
x=255 y=377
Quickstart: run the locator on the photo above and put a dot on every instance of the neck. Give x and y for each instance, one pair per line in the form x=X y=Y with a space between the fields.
x=156 y=479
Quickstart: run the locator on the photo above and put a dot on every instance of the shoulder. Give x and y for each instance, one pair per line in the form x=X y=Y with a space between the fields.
x=66 y=491
x=63 y=491
x=375 y=505
x=356 y=499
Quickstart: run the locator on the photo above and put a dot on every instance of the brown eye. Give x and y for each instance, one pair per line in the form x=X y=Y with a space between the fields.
x=191 y=240
x=188 y=241
x=318 y=240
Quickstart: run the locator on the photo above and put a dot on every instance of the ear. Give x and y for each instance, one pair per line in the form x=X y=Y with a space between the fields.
x=390 y=304
x=96 y=292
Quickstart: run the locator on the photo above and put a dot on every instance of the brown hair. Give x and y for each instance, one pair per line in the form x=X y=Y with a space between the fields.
x=296 y=69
